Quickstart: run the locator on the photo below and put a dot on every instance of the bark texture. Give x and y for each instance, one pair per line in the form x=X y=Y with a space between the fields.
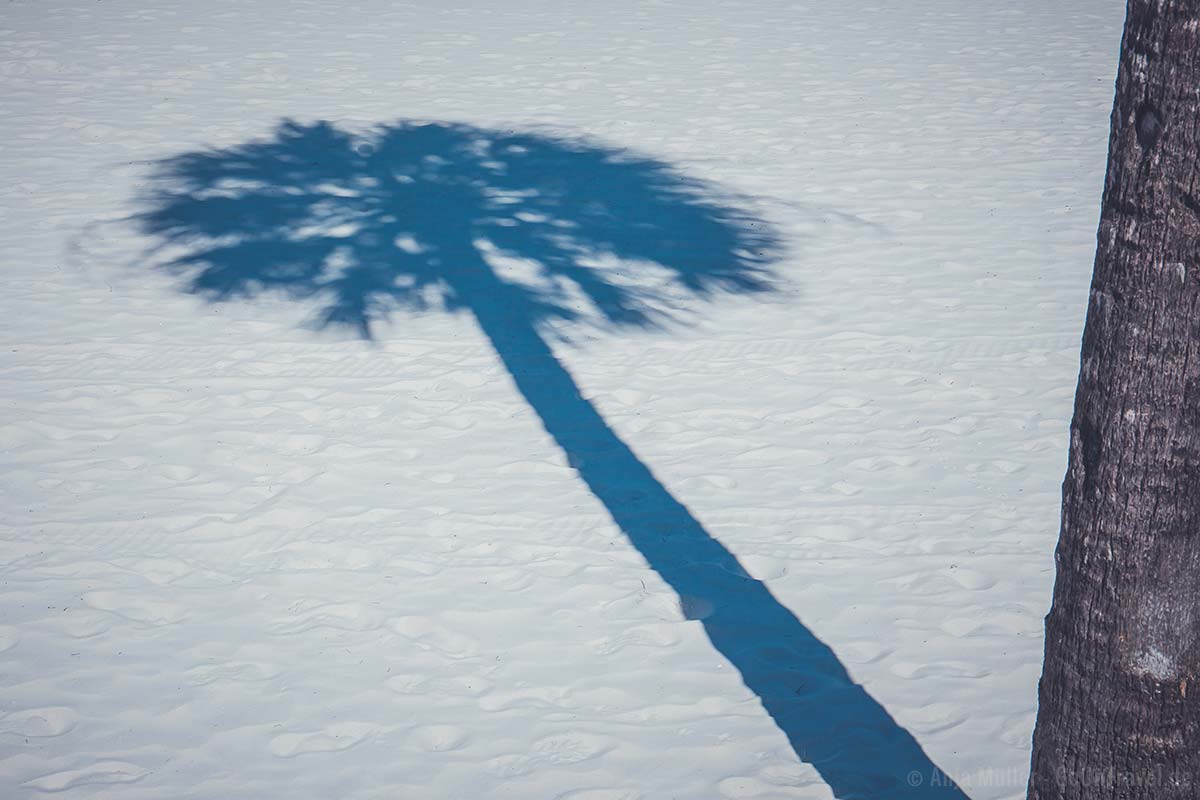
x=1119 y=699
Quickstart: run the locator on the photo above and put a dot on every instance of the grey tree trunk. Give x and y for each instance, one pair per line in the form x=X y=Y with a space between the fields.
x=1119 y=699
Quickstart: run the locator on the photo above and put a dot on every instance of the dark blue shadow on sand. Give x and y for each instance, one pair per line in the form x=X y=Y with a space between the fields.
x=413 y=216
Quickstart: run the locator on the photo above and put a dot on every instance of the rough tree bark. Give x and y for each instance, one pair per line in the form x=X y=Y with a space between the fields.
x=1119 y=699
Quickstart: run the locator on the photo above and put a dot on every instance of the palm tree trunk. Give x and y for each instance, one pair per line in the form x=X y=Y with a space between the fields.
x=830 y=721
x=1119 y=699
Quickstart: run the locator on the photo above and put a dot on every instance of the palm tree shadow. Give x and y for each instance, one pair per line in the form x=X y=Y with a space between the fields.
x=524 y=230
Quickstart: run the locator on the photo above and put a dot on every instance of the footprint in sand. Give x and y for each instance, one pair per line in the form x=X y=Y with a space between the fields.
x=530 y=697
x=557 y=750
x=337 y=616
x=438 y=738
x=459 y=685
x=339 y=736
x=953 y=579
x=137 y=608
x=944 y=669
x=601 y=794
x=641 y=636
x=935 y=718
x=428 y=635
x=764 y=568
x=39 y=722
x=99 y=773
x=570 y=748
x=864 y=651
x=159 y=571
x=510 y=766
x=234 y=672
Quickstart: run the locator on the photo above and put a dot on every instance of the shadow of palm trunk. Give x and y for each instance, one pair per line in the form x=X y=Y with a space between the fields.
x=830 y=721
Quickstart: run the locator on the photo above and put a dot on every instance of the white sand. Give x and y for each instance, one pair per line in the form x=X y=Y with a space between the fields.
x=240 y=558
